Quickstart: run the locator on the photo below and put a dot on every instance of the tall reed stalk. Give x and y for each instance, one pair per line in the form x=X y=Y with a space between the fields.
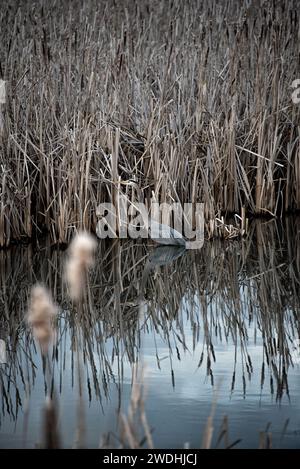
x=189 y=100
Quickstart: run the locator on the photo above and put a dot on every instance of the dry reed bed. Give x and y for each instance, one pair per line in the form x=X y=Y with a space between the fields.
x=220 y=290
x=176 y=97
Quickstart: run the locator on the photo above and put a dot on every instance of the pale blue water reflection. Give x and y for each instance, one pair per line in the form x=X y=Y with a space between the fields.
x=233 y=309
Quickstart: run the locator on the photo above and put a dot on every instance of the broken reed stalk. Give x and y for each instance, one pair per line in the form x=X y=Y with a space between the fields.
x=135 y=422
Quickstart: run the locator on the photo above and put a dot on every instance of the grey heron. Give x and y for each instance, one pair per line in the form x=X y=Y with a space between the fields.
x=164 y=234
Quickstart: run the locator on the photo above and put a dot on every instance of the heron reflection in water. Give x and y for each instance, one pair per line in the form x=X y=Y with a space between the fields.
x=160 y=256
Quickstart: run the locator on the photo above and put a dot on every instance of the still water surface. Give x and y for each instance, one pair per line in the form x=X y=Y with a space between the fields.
x=216 y=326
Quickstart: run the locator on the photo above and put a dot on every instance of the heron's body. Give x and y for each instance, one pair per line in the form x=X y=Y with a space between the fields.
x=163 y=234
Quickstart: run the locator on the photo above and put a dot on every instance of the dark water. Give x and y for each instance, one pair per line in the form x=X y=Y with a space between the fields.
x=218 y=326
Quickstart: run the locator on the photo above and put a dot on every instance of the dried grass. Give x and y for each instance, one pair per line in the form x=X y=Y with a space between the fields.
x=189 y=100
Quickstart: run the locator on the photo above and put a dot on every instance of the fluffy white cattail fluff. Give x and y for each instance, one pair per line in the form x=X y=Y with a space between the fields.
x=81 y=258
x=40 y=316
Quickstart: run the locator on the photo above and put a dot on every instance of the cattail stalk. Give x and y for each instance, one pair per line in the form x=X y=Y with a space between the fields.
x=81 y=259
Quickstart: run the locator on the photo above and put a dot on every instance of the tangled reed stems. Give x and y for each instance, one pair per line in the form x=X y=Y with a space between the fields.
x=191 y=101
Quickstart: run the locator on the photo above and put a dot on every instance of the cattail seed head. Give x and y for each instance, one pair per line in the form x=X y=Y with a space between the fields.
x=81 y=258
x=40 y=316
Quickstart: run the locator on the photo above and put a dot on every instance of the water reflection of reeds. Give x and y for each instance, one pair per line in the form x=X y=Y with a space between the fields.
x=221 y=291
